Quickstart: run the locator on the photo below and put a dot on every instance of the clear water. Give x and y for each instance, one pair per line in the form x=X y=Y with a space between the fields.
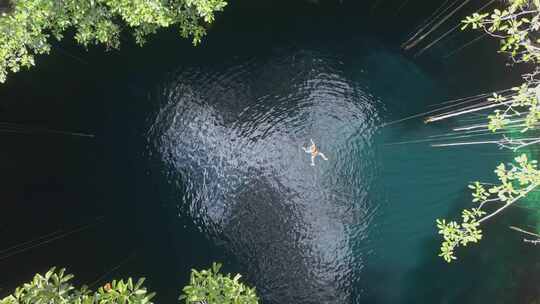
x=198 y=158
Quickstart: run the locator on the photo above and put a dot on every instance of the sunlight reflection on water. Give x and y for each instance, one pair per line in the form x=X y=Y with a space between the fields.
x=233 y=135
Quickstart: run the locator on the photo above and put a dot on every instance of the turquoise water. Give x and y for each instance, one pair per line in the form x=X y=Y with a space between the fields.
x=344 y=230
x=197 y=157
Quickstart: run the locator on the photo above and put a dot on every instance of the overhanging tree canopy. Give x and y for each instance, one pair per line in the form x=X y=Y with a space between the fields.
x=27 y=26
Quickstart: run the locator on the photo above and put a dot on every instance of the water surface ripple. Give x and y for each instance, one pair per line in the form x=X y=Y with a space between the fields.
x=231 y=138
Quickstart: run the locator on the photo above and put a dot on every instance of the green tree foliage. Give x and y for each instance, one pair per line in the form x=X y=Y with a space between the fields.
x=27 y=26
x=55 y=288
x=206 y=286
x=516 y=180
x=518 y=28
x=211 y=287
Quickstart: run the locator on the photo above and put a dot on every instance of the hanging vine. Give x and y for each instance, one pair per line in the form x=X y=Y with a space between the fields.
x=517 y=111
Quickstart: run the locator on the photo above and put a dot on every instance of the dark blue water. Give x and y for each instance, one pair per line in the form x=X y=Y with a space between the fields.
x=197 y=158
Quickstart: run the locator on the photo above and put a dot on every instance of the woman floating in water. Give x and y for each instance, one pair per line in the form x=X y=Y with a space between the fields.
x=314 y=152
